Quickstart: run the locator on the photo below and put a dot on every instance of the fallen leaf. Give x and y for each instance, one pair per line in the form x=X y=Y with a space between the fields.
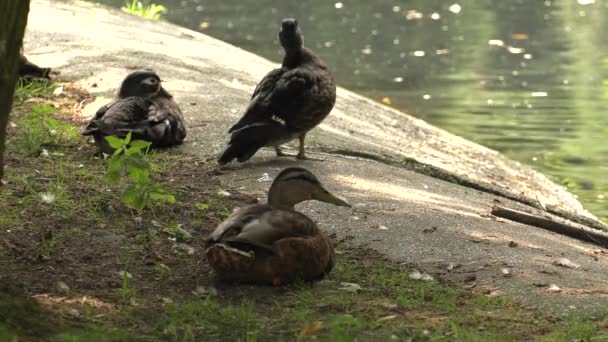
x=386 y=100
x=350 y=287
x=387 y=318
x=311 y=329
x=204 y=24
x=519 y=36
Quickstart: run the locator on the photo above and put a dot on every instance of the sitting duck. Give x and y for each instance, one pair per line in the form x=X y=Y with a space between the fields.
x=286 y=104
x=273 y=243
x=143 y=107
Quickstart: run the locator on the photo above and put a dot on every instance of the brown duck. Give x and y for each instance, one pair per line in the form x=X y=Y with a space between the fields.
x=286 y=104
x=143 y=107
x=272 y=243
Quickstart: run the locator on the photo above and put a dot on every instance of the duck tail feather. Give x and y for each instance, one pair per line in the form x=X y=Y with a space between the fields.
x=246 y=141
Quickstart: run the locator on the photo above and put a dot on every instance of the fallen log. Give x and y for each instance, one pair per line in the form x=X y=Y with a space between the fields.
x=573 y=230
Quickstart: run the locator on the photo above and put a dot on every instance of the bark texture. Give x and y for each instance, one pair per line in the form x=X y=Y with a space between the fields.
x=13 y=19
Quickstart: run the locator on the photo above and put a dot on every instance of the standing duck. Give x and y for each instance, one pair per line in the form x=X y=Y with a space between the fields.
x=143 y=107
x=272 y=243
x=286 y=104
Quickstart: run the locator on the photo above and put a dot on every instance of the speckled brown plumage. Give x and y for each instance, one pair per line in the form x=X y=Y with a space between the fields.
x=286 y=104
x=143 y=107
x=264 y=243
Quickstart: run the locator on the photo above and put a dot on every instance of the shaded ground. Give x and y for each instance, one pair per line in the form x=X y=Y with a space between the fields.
x=84 y=267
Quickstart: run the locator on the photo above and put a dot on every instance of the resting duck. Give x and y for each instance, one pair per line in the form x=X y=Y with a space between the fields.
x=272 y=243
x=142 y=106
x=286 y=104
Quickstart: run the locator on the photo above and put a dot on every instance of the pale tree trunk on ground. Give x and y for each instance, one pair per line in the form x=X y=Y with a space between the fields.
x=13 y=18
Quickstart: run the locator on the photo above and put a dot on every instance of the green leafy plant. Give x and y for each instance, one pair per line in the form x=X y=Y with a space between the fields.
x=129 y=156
x=144 y=9
x=40 y=128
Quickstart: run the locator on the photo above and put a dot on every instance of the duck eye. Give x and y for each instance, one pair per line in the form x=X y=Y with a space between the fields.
x=150 y=81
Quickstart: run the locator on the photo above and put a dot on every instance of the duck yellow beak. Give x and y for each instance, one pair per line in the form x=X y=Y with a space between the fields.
x=327 y=197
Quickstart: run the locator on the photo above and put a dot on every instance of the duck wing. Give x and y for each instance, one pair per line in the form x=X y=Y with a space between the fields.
x=119 y=117
x=300 y=97
x=165 y=123
x=234 y=224
x=256 y=109
x=260 y=226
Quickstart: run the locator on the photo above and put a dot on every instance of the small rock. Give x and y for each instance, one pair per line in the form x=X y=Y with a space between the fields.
x=564 y=262
x=506 y=273
x=553 y=289
x=74 y=313
x=265 y=178
x=93 y=85
x=513 y=244
x=58 y=91
x=417 y=275
x=224 y=193
x=429 y=230
x=202 y=291
x=382 y=227
x=180 y=247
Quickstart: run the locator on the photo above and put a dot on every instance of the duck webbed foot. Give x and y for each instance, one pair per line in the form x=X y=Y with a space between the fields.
x=302 y=150
x=280 y=153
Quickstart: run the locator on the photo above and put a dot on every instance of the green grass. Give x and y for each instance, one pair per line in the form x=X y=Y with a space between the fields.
x=30 y=89
x=144 y=9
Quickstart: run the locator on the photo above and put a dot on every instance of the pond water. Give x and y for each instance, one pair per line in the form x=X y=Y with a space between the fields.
x=528 y=78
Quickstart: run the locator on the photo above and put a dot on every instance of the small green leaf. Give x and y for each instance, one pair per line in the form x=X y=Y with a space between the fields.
x=114 y=165
x=139 y=145
x=112 y=177
x=116 y=162
x=128 y=138
x=158 y=193
x=116 y=142
x=52 y=124
x=134 y=198
x=138 y=169
x=202 y=206
x=178 y=232
x=43 y=110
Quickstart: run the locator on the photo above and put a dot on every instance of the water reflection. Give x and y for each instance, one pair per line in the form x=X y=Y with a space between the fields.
x=527 y=78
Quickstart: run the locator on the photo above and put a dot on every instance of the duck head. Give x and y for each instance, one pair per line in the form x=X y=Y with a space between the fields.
x=142 y=83
x=294 y=185
x=290 y=35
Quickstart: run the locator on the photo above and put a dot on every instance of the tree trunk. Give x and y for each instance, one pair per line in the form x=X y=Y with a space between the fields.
x=13 y=18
